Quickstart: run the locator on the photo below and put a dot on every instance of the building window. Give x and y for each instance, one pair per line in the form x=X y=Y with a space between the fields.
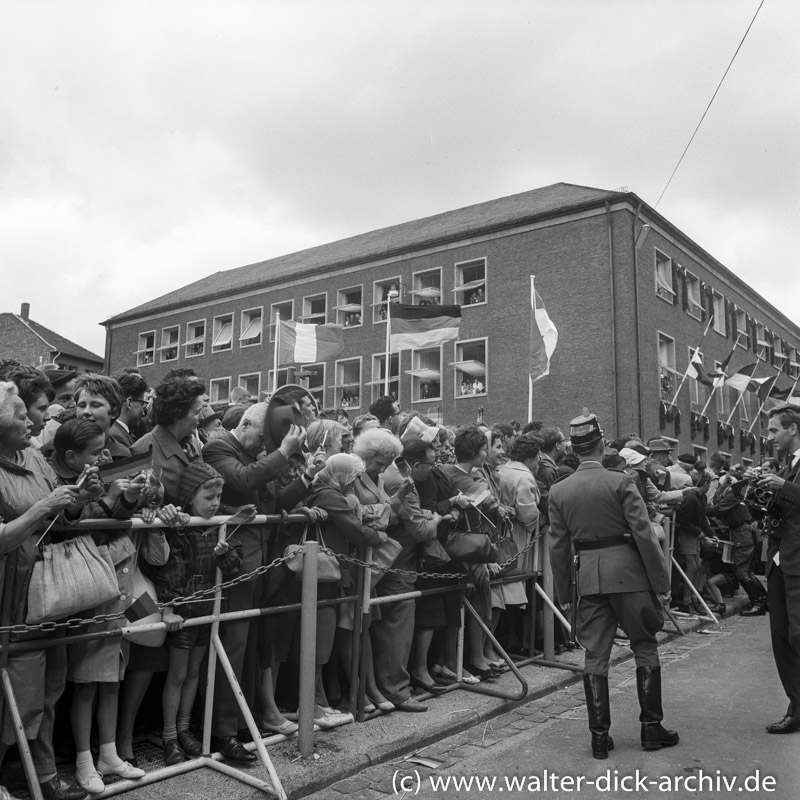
x=348 y=383
x=350 y=307
x=794 y=362
x=763 y=342
x=251 y=383
x=426 y=375
x=378 y=381
x=698 y=392
x=251 y=327
x=286 y=311
x=222 y=334
x=283 y=378
x=780 y=356
x=723 y=395
x=315 y=309
x=701 y=453
x=195 y=344
x=470 y=368
x=427 y=289
x=694 y=305
x=470 y=284
x=219 y=390
x=743 y=338
x=169 y=343
x=313 y=378
x=146 y=351
x=383 y=292
x=666 y=366
x=664 y=278
x=720 y=322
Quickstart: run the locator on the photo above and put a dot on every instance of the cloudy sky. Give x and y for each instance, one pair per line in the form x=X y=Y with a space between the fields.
x=144 y=145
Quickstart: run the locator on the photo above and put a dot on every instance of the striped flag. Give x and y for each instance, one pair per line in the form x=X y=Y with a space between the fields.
x=742 y=378
x=544 y=337
x=125 y=467
x=300 y=343
x=412 y=327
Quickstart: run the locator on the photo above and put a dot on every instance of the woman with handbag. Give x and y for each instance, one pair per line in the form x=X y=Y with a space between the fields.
x=341 y=530
x=28 y=498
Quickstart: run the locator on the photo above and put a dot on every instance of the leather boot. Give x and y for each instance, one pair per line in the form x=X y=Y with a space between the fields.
x=648 y=686
x=596 y=688
x=758 y=597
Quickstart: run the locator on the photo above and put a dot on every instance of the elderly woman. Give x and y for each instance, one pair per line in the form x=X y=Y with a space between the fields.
x=35 y=390
x=28 y=498
x=99 y=398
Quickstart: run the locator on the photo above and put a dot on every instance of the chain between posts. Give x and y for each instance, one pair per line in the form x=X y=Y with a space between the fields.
x=202 y=594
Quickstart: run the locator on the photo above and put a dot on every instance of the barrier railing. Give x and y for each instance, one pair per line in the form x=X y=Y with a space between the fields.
x=308 y=606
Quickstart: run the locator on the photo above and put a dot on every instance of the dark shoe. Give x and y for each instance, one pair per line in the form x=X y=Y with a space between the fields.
x=648 y=687
x=58 y=788
x=599 y=711
x=483 y=674
x=756 y=610
x=172 y=753
x=786 y=725
x=232 y=749
x=190 y=744
x=432 y=688
x=411 y=705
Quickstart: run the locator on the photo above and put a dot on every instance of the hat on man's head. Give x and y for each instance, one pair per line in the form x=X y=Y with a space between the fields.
x=612 y=459
x=632 y=457
x=283 y=411
x=207 y=414
x=688 y=459
x=194 y=476
x=57 y=376
x=660 y=446
x=641 y=449
x=417 y=430
x=585 y=433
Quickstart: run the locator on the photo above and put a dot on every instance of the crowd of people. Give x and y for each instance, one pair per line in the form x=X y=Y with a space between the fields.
x=394 y=482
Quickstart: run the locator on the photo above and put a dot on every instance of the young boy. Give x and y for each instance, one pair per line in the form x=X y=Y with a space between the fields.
x=194 y=556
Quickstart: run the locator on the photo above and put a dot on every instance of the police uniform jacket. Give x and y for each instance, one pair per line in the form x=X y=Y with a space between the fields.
x=594 y=504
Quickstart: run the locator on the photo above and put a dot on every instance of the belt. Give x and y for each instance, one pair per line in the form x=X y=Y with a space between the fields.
x=599 y=544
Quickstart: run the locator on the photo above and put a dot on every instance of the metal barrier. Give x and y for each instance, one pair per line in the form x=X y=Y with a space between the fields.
x=308 y=606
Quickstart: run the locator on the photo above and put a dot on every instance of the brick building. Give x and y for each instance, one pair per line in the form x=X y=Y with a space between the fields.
x=29 y=342
x=629 y=292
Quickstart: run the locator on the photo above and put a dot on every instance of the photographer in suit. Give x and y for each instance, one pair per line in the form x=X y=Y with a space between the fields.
x=783 y=559
x=622 y=579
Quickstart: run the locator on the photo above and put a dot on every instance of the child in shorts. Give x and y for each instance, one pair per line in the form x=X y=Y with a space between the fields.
x=194 y=556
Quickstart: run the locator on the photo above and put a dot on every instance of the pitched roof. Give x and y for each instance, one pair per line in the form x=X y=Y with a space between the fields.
x=60 y=343
x=385 y=242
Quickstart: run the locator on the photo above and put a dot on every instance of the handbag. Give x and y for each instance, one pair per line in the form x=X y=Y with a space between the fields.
x=507 y=549
x=472 y=546
x=328 y=570
x=142 y=585
x=384 y=555
x=70 y=577
x=434 y=555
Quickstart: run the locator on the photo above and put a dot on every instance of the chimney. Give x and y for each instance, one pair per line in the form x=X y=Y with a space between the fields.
x=25 y=311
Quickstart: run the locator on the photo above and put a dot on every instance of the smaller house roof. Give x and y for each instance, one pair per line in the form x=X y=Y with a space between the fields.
x=58 y=342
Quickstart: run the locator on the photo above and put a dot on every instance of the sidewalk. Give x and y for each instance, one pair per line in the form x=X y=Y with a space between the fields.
x=342 y=753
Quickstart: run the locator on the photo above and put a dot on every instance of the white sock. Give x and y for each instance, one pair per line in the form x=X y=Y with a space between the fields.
x=84 y=764
x=108 y=754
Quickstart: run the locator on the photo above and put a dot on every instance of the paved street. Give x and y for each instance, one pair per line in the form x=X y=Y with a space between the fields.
x=721 y=688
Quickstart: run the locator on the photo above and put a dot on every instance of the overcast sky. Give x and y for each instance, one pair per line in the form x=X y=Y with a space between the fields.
x=144 y=145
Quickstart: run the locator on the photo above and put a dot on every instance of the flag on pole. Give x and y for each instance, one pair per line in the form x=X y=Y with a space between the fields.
x=544 y=337
x=125 y=467
x=412 y=327
x=741 y=379
x=699 y=373
x=781 y=394
x=763 y=386
x=300 y=343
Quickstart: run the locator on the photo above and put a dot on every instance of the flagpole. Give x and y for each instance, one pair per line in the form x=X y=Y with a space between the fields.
x=759 y=359
x=388 y=342
x=716 y=386
x=277 y=350
x=689 y=365
x=764 y=401
x=530 y=378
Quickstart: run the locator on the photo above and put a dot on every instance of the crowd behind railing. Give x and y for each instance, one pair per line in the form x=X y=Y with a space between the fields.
x=450 y=505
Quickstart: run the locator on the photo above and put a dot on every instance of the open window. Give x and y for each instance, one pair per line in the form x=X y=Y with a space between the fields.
x=470 y=283
x=146 y=350
x=383 y=292
x=169 y=343
x=251 y=327
x=315 y=309
x=348 y=383
x=222 y=333
x=195 y=344
x=219 y=390
x=251 y=383
x=426 y=375
x=427 y=289
x=286 y=311
x=312 y=376
x=470 y=368
x=720 y=320
x=667 y=374
x=378 y=383
x=664 y=285
x=350 y=307
x=694 y=303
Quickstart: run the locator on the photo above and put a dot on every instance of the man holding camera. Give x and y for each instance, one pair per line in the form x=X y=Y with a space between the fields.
x=783 y=559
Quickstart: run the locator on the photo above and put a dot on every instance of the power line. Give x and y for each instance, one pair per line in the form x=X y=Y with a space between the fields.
x=709 y=104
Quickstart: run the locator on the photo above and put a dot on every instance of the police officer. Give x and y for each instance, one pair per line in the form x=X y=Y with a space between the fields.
x=599 y=516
